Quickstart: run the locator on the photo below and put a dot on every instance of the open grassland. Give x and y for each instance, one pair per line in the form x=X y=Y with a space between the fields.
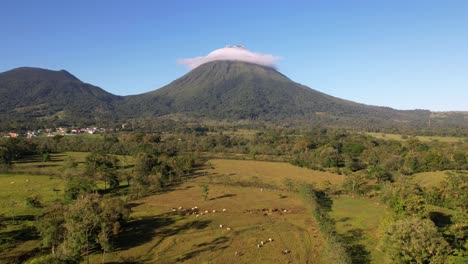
x=34 y=164
x=159 y=235
x=421 y=138
x=429 y=179
x=156 y=234
x=357 y=222
x=273 y=173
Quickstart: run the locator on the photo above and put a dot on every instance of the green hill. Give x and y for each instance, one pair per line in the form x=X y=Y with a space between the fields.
x=33 y=95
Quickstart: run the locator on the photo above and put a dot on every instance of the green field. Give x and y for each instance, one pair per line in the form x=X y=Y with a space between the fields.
x=421 y=138
x=429 y=179
x=357 y=221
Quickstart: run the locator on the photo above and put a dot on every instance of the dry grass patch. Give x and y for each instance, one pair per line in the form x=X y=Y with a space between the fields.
x=430 y=179
x=269 y=172
x=157 y=234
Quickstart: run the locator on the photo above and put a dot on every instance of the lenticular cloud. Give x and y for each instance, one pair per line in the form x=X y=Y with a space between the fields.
x=233 y=53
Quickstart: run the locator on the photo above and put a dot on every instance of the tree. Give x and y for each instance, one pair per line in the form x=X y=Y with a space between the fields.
x=113 y=215
x=355 y=183
x=45 y=156
x=102 y=167
x=455 y=190
x=78 y=185
x=144 y=163
x=379 y=173
x=51 y=226
x=413 y=240
x=82 y=222
x=204 y=191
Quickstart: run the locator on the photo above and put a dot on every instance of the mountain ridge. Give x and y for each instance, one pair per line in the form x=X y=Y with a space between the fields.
x=218 y=90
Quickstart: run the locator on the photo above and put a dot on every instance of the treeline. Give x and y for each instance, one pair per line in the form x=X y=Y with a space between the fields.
x=322 y=149
x=349 y=152
x=321 y=206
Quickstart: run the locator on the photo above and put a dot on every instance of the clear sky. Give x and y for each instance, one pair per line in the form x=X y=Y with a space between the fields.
x=402 y=54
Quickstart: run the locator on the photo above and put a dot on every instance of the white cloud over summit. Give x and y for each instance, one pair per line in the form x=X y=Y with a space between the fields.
x=234 y=53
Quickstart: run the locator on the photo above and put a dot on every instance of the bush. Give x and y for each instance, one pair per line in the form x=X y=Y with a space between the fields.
x=33 y=201
x=413 y=240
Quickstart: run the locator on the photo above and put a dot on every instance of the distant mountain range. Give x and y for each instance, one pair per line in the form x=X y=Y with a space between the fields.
x=219 y=90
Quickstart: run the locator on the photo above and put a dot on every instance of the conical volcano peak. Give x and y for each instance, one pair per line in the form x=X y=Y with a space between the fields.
x=232 y=53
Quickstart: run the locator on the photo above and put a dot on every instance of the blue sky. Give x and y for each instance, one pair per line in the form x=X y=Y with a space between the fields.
x=402 y=54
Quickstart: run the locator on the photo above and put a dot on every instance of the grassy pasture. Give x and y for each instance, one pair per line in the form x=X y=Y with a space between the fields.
x=429 y=179
x=357 y=221
x=269 y=172
x=156 y=234
x=17 y=237
x=421 y=138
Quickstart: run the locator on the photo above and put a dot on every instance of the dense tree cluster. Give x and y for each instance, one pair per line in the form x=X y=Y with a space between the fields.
x=74 y=230
x=414 y=234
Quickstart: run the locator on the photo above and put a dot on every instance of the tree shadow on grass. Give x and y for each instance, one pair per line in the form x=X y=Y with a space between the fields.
x=11 y=239
x=351 y=240
x=440 y=219
x=224 y=196
x=343 y=219
x=216 y=244
x=141 y=231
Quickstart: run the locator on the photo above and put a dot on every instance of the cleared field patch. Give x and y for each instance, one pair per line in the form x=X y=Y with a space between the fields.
x=421 y=138
x=35 y=165
x=273 y=173
x=15 y=188
x=430 y=179
x=357 y=221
